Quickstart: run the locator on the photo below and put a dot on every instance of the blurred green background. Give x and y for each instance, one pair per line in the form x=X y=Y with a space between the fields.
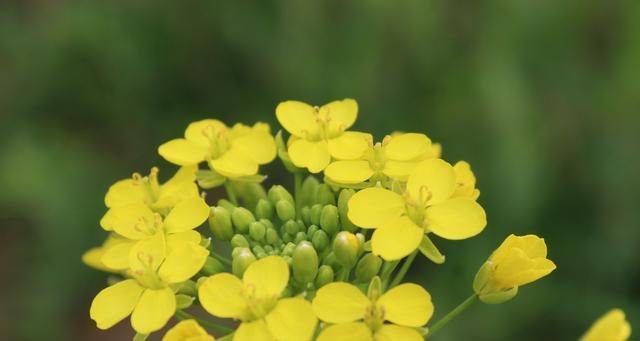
x=541 y=97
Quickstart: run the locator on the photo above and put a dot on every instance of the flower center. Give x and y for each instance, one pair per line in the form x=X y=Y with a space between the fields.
x=219 y=140
x=149 y=185
x=147 y=227
x=257 y=307
x=147 y=275
x=374 y=316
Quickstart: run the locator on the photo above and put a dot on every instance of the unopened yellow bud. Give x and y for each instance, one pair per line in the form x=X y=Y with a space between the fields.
x=346 y=247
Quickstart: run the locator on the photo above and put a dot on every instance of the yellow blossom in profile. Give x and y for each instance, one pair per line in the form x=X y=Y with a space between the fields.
x=395 y=157
x=139 y=223
x=518 y=261
x=465 y=181
x=256 y=301
x=428 y=205
x=319 y=133
x=93 y=256
x=612 y=326
x=148 y=297
x=187 y=330
x=147 y=190
x=231 y=152
x=355 y=317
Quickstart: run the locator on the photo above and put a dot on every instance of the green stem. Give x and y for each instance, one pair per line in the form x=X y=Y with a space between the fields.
x=183 y=315
x=453 y=313
x=230 y=193
x=403 y=270
x=297 y=191
x=387 y=270
x=224 y=260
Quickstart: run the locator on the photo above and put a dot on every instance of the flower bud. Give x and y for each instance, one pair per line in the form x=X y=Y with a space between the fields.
x=277 y=193
x=316 y=210
x=241 y=261
x=188 y=288
x=325 y=276
x=264 y=209
x=343 y=200
x=239 y=240
x=368 y=266
x=346 y=248
x=320 y=240
x=212 y=266
x=325 y=196
x=291 y=227
x=288 y=249
x=305 y=263
x=272 y=236
x=241 y=218
x=312 y=230
x=329 y=220
x=305 y=214
x=259 y=251
x=287 y=237
x=330 y=260
x=257 y=230
x=300 y=236
x=184 y=301
x=220 y=223
x=226 y=204
x=285 y=210
x=308 y=191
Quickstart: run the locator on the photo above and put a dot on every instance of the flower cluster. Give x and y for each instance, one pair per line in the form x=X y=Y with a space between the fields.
x=326 y=262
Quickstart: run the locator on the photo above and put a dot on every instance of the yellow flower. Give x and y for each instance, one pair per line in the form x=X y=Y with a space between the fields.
x=356 y=317
x=320 y=133
x=518 y=261
x=138 y=223
x=256 y=301
x=232 y=152
x=147 y=190
x=428 y=205
x=610 y=327
x=187 y=330
x=466 y=181
x=396 y=157
x=93 y=256
x=148 y=296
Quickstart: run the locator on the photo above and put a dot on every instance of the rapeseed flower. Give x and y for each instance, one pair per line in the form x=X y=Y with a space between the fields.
x=319 y=133
x=257 y=301
x=612 y=326
x=232 y=152
x=187 y=330
x=93 y=256
x=427 y=205
x=148 y=296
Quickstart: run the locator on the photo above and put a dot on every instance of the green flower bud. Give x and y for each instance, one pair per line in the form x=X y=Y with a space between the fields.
x=362 y=240
x=329 y=220
x=184 y=301
x=325 y=276
x=320 y=240
x=188 y=288
x=305 y=263
x=330 y=260
x=285 y=210
x=226 y=204
x=305 y=214
x=343 y=200
x=268 y=248
x=325 y=196
x=212 y=266
x=257 y=230
x=309 y=190
x=239 y=240
x=287 y=237
x=368 y=266
x=272 y=236
x=241 y=261
x=277 y=193
x=288 y=249
x=264 y=209
x=312 y=230
x=250 y=191
x=316 y=210
x=346 y=247
x=499 y=297
x=220 y=223
x=290 y=227
x=241 y=218
x=300 y=236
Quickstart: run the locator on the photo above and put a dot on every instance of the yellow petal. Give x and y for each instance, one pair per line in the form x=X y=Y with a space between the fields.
x=340 y=302
x=93 y=257
x=182 y=263
x=350 y=145
x=182 y=152
x=465 y=181
x=390 y=332
x=407 y=305
x=297 y=118
x=187 y=215
x=458 y=218
x=187 y=330
x=292 y=319
x=341 y=114
x=221 y=296
x=181 y=186
x=432 y=181
x=311 y=155
x=153 y=311
x=253 y=331
x=269 y=276
x=176 y=240
x=124 y=192
x=610 y=327
x=399 y=170
x=396 y=239
x=405 y=147
x=353 y=331
x=147 y=253
x=114 y=303
x=106 y=222
x=134 y=221
x=532 y=246
x=348 y=172
x=259 y=146
x=517 y=269
x=116 y=257
x=234 y=164
x=371 y=207
x=199 y=132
